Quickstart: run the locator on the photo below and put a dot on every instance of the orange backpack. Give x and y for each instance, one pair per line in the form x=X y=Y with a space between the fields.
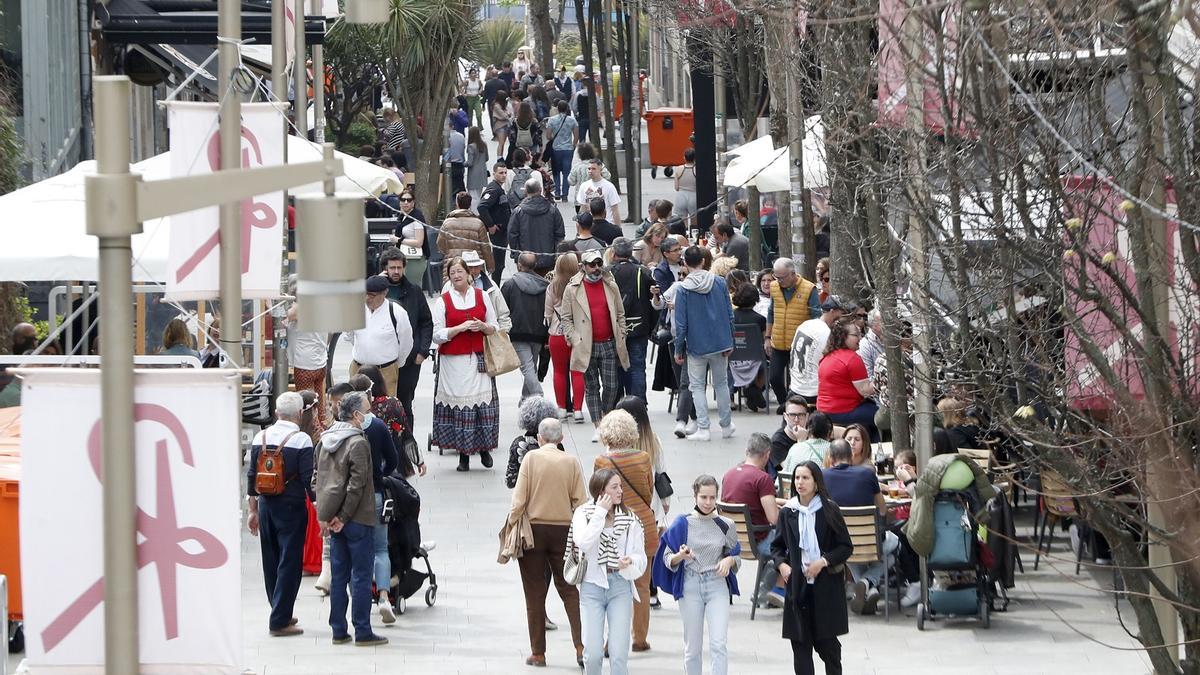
x=270 y=476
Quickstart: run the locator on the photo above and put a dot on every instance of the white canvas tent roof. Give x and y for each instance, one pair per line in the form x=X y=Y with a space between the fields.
x=44 y=226
x=759 y=163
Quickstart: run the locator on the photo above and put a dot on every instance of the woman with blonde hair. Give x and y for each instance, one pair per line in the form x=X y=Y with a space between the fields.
x=566 y=266
x=619 y=434
x=648 y=441
x=177 y=340
x=653 y=239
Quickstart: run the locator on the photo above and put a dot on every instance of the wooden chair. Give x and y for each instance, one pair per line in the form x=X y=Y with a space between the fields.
x=1055 y=503
x=747 y=534
x=981 y=457
x=866 y=533
x=784 y=486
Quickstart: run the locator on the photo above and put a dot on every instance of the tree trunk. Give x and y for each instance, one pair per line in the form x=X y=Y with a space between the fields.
x=628 y=77
x=604 y=33
x=779 y=58
x=587 y=34
x=539 y=11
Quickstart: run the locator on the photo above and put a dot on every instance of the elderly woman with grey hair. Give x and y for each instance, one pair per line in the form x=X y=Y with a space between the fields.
x=531 y=413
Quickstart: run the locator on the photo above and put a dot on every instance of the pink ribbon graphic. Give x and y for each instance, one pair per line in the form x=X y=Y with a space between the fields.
x=162 y=535
x=254 y=214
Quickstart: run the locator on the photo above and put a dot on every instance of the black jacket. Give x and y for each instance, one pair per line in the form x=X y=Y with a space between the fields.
x=493 y=208
x=525 y=293
x=606 y=231
x=536 y=225
x=634 y=281
x=408 y=296
x=827 y=595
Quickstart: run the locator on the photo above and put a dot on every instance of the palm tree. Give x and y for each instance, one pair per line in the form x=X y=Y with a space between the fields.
x=499 y=40
x=420 y=49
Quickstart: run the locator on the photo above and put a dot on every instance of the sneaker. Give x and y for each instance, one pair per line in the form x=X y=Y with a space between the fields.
x=596 y=436
x=728 y=431
x=871 y=602
x=680 y=430
x=861 y=587
x=699 y=435
x=775 y=599
x=386 y=613
x=550 y=625
x=371 y=640
x=344 y=639
x=655 y=603
x=578 y=417
x=428 y=546
x=690 y=428
x=563 y=414
x=912 y=595
x=1074 y=532
x=287 y=631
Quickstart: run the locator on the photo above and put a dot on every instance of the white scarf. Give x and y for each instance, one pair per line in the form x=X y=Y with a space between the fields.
x=810 y=549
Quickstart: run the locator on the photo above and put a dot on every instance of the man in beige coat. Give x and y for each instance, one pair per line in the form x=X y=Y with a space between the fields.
x=597 y=341
x=462 y=230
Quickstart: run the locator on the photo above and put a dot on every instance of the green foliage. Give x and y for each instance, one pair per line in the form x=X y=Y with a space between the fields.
x=569 y=49
x=25 y=312
x=11 y=153
x=356 y=76
x=499 y=40
x=360 y=134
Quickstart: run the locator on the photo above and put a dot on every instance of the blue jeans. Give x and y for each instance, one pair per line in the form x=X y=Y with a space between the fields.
x=864 y=414
x=633 y=380
x=699 y=368
x=705 y=597
x=873 y=572
x=383 y=562
x=595 y=605
x=351 y=554
x=771 y=574
x=560 y=164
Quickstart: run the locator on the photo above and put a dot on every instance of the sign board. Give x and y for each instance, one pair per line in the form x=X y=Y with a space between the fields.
x=188 y=486
x=194 y=255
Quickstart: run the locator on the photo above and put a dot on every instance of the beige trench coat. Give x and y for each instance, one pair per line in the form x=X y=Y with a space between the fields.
x=576 y=317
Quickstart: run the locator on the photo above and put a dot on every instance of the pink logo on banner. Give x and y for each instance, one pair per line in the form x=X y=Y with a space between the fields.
x=162 y=535
x=254 y=214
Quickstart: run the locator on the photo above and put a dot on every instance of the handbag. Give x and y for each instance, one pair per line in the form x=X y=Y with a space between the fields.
x=411 y=252
x=574 y=563
x=499 y=355
x=662 y=485
x=548 y=151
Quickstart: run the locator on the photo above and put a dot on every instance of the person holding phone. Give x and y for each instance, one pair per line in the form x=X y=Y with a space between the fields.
x=610 y=540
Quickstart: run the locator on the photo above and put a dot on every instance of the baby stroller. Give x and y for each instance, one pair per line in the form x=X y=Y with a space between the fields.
x=964 y=588
x=401 y=511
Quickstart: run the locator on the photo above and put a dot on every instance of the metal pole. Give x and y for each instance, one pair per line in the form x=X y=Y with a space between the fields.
x=722 y=134
x=300 y=75
x=318 y=59
x=635 y=114
x=115 y=226
x=279 y=361
x=229 y=29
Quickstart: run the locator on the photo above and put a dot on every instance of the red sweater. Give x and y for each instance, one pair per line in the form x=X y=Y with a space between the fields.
x=598 y=304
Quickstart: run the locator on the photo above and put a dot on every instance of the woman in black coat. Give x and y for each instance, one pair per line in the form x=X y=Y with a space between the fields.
x=810 y=552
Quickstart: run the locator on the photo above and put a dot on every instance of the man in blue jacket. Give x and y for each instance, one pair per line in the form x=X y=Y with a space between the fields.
x=704 y=335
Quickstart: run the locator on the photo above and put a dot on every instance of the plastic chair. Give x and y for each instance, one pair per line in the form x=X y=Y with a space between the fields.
x=747 y=533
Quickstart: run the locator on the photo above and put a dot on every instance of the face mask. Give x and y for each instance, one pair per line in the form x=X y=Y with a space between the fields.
x=593 y=276
x=367 y=418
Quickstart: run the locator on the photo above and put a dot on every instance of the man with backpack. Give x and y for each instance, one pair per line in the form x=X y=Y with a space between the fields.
x=278 y=479
x=638 y=289
x=537 y=227
x=387 y=339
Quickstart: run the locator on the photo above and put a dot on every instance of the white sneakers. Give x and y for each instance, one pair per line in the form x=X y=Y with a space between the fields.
x=699 y=435
x=385 y=609
x=578 y=417
x=727 y=432
x=692 y=433
x=563 y=414
x=596 y=436
x=680 y=430
x=912 y=595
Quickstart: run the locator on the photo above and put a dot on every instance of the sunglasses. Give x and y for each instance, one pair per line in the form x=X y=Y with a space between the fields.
x=825 y=278
x=593 y=263
x=409 y=200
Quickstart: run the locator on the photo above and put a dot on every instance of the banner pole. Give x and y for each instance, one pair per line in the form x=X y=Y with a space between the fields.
x=229 y=29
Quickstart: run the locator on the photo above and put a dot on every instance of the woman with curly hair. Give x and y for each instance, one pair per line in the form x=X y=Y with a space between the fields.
x=530 y=414
x=619 y=434
x=844 y=389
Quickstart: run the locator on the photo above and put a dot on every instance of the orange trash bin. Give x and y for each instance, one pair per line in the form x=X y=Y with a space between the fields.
x=10 y=538
x=670 y=131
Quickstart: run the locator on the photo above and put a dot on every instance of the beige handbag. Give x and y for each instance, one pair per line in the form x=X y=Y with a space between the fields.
x=499 y=355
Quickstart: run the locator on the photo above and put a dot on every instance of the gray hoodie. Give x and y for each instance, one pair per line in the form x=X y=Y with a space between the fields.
x=698 y=281
x=344 y=487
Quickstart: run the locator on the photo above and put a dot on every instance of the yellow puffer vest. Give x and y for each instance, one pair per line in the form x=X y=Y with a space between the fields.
x=789 y=315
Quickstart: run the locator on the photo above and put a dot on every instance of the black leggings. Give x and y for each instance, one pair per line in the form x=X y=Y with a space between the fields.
x=829 y=649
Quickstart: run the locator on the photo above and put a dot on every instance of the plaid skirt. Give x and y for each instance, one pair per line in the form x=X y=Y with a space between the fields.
x=469 y=429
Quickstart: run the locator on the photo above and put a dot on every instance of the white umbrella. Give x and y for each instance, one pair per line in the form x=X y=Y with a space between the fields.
x=760 y=164
x=45 y=231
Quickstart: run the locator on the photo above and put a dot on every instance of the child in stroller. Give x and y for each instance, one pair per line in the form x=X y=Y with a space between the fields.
x=402 y=509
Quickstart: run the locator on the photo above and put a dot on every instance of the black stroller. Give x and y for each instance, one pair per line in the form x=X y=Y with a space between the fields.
x=965 y=586
x=402 y=509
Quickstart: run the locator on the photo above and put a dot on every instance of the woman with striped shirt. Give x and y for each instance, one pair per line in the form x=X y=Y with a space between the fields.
x=610 y=539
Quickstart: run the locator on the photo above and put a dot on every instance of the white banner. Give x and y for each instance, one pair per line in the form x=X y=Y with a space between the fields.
x=189 y=583
x=193 y=267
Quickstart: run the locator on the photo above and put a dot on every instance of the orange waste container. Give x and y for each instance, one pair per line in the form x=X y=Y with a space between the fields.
x=670 y=132
x=10 y=550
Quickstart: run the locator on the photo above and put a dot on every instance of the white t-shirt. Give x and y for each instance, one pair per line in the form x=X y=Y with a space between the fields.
x=601 y=188
x=307 y=350
x=473 y=87
x=807 y=348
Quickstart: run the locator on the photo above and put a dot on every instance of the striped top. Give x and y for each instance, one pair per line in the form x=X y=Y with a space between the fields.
x=707 y=542
x=603 y=545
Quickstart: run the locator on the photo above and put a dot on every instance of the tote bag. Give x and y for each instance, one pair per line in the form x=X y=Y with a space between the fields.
x=499 y=355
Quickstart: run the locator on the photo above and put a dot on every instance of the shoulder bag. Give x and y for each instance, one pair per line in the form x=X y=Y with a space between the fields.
x=662 y=485
x=630 y=483
x=499 y=355
x=548 y=151
x=574 y=562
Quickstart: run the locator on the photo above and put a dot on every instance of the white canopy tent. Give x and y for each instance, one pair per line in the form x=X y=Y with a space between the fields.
x=45 y=231
x=760 y=164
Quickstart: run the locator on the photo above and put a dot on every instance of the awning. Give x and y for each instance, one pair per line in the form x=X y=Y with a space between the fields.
x=188 y=22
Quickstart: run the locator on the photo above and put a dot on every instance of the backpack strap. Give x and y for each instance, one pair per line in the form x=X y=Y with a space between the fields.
x=280 y=447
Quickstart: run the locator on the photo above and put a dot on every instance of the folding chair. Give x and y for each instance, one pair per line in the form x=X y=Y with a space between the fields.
x=747 y=533
x=867 y=532
x=748 y=346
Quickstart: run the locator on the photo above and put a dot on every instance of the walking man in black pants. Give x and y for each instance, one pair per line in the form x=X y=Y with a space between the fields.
x=494 y=211
x=281 y=520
